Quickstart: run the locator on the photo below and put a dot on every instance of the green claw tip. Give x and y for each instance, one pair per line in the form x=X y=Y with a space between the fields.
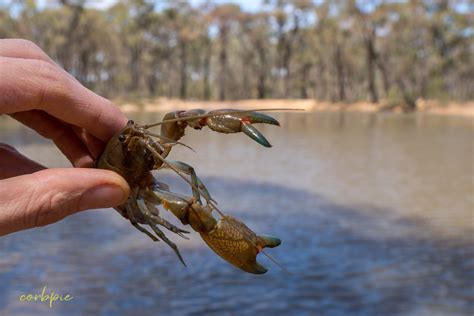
x=269 y=241
x=257 y=268
x=256 y=117
x=253 y=133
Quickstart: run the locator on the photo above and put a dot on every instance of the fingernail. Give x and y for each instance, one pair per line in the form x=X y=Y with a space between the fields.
x=103 y=196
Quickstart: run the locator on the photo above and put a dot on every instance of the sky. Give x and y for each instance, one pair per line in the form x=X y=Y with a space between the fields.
x=246 y=5
x=463 y=6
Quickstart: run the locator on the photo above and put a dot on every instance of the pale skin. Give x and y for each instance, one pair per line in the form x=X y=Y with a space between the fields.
x=42 y=96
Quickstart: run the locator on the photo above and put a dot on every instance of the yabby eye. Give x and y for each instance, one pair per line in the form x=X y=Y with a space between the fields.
x=122 y=138
x=130 y=122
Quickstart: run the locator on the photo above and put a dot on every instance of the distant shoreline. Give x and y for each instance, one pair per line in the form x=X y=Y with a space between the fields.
x=465 y=109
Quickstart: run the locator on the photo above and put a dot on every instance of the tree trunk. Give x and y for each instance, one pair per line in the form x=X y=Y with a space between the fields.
x=183 y=66
x=262 y=74
x=245 y=90
x=152 y=83
x=340 y=73
x=371 y=57
x=279 y=60
x=407 y=97
x=261 y=86
x=83 y=72
x=304 y=80
x=321 y=81
x=135 y=54
x=385 y=79
x=223 y=63
x=286 y=66
x=67 y=48
x=207 y=69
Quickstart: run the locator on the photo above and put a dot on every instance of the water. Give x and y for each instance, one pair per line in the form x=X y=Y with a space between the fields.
x=375 y=212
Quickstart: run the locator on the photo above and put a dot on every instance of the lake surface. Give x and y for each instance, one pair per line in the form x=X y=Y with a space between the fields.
x=375 y=213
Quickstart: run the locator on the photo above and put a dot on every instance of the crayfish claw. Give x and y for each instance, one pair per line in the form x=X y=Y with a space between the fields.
x=237 y=244
x=135 y=152
x=257 y=117
x=253 y=133
x=268 y=241
x=235 y=121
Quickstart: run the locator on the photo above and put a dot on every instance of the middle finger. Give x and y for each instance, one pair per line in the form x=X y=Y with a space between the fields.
x=60 y=133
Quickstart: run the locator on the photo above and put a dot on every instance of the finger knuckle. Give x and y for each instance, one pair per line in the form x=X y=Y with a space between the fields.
x=46 y=207
x=30 y=50
x=51 y=81
x=47 y=71
x=53 y=207
x=28 y=45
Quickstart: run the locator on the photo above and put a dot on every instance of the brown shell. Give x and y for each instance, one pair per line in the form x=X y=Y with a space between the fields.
x=233 y=241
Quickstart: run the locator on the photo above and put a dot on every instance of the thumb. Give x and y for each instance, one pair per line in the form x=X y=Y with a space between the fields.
x=47 y=196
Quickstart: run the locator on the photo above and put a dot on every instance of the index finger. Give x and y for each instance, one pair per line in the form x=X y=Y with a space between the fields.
x=27 y=84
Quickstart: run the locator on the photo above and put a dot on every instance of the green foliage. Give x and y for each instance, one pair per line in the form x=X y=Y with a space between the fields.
x=330 y=50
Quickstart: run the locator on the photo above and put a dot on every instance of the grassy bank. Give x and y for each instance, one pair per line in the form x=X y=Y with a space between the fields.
x=425 y=106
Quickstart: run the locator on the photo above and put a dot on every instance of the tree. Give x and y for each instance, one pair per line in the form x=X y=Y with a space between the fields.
x=224 y=16
x=330 y=50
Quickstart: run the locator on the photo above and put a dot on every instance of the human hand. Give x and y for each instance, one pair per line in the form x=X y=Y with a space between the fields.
x=39 y=94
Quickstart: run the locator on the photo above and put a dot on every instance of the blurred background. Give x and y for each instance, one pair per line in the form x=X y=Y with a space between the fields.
x=375 y=207
x=370 y=50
